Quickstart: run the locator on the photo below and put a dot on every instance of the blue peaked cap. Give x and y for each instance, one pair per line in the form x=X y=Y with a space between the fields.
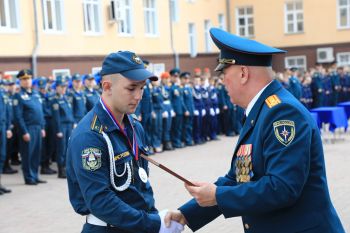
x=237 y=50
x=127 y=64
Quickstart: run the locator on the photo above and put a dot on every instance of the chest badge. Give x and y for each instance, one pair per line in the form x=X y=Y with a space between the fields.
x=284 y=131
x=143 y=175
x=243 y=163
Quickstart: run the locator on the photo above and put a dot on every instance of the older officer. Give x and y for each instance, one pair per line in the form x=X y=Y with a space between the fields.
x=277 y=180
x=63 y=118
x=107 y=178
x=29 y=117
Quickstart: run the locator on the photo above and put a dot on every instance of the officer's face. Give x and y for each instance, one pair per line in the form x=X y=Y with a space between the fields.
x=232 y=83
x=126 y=94
x=26 y=83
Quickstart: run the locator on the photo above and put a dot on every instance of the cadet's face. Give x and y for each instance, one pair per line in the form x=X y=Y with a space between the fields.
x=77 y=84
x=26 y=83
x=126 y=94
x=61 y=89
x=232 y=82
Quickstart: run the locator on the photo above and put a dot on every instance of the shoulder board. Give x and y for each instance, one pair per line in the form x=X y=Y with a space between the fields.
x=134 y=117
x=272 y=101
x=96 y=125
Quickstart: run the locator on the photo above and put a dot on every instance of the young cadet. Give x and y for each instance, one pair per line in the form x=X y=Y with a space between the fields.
x=187 y=130
x=277 y=180
x=107 y=177
x=91 y=94
x=77 y=99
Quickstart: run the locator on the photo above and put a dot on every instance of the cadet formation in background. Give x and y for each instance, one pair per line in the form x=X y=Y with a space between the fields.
x=37 y=115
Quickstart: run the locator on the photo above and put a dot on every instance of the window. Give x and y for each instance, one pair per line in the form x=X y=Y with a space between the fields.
x=295 y=61
x=62 y=72
x=174 y=10
x=343 y=59
x=9 y=15
x=92 y=16
x=149 y=8
x=192 y=39
x=245 y=21
x=95 y=70
x=207 y=38
x=294 y=17
x=124 y=12
x=53 y=15
x=222 y=23
x=343 y=14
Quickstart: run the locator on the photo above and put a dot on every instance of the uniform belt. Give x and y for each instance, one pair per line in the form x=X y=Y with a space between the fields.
x=95 y=221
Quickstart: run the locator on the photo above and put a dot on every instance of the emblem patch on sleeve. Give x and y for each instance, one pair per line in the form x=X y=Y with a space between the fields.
x=91 y=159
x=284 y=131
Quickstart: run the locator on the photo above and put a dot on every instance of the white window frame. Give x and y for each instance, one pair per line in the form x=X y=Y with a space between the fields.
x=95 y=70
x=174 y=10
x=54 y=28
x=339 y=62
x=152 y=12
x=92 y=5
x=295 y=58
x=63 y=72
x=207 y=38
x=339 y=8
x=9 y=17
x=222 y=21
x=124 y=20
x=246 y=18
x=192 y=35
x=294 y=14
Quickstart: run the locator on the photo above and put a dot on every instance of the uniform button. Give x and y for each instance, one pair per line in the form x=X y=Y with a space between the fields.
x=246 y=226
x=252 y=122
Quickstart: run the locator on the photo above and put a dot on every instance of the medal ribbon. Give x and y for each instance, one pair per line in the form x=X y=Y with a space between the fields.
x=133 y=146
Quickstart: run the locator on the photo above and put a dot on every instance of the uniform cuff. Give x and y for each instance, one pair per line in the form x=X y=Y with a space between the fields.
x=154 y=223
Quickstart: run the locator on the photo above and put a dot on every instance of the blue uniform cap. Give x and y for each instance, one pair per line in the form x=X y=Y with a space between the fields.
x=185 y=75
x=127 y=64
x=26 y=73
x=41 y=82
x=235 y=50
x=61 y=81
x=76 y=76
x=175 y=71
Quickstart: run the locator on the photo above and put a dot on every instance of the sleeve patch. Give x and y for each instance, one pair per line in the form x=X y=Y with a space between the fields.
x=272 y=100
x=284 y=131
x=55 y=107
x=15 y=102
x=91 y=159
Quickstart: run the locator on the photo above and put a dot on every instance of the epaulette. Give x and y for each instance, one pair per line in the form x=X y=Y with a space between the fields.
x=134 y=117
x=96 y=125
x=272 y=100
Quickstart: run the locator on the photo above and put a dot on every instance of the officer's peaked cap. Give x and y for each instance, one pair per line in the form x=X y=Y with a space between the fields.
x=127 y=64
x=237 y=50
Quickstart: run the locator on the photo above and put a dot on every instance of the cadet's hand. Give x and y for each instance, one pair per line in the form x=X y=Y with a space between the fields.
x=175 y=216
x=26 y=137
x=9 y=134
x=204 y=193
x=225 y=107
x=187 y=113
x=43 y=133
x=171 y=227
x=59 y=135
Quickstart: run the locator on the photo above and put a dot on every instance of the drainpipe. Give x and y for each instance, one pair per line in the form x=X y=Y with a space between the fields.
x=36 y=43
x=176 y=55
x=228 y=13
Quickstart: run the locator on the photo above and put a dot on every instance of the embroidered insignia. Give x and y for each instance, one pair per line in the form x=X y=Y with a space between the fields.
x=91 y=159
x=137 y=59
x=122 y=155
x=55 y=107
x=284 y=131
x=243 y=163
x=272 y=100
x=15 y=102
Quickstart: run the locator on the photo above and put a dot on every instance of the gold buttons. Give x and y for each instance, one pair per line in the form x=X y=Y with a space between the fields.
x=246 y=226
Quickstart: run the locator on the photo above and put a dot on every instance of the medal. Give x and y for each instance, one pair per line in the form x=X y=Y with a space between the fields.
x=143 y=175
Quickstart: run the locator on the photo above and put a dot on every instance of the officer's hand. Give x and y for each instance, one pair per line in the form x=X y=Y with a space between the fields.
x=59 y=135
x=43 y=133
x=26 y=137
x=175 y=215
x=187 y=113
x=9 y=134
x=172 y=227
x=204 y=193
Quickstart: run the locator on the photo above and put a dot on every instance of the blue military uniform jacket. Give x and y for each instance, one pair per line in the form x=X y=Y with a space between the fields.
x=188 y=99
x=177 y=101
x=92 y=96
x=62 y=112
x=277 y=179
x=5 y=110
x=78 y=101
x=90 y=188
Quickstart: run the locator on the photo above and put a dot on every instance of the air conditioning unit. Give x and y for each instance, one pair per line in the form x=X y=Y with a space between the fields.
x=115 y=13
x=325 y=55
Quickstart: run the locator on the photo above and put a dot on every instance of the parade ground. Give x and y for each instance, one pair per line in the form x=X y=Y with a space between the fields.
x=45 y=208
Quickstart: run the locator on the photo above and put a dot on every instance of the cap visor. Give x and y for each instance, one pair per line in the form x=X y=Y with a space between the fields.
x=139 y=75
x=220 y=67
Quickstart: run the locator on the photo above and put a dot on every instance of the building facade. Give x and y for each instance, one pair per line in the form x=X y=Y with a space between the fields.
x=64 y=37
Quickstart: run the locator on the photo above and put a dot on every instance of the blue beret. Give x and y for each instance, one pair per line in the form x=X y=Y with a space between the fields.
x=61 y=80
x=235 y=50
x=26 y=73
x=76 y=76
x=127 y=64
x=175 y=71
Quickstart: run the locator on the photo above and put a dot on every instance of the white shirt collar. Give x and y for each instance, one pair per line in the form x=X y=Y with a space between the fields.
x=253 y=101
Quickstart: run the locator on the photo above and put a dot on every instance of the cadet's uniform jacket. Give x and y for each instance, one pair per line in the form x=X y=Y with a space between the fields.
x=277 y=180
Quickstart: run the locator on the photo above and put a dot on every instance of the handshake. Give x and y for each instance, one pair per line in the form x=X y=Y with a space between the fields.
x=171 y=221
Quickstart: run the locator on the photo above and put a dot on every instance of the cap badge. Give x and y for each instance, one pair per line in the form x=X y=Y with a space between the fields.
x=136 y=59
